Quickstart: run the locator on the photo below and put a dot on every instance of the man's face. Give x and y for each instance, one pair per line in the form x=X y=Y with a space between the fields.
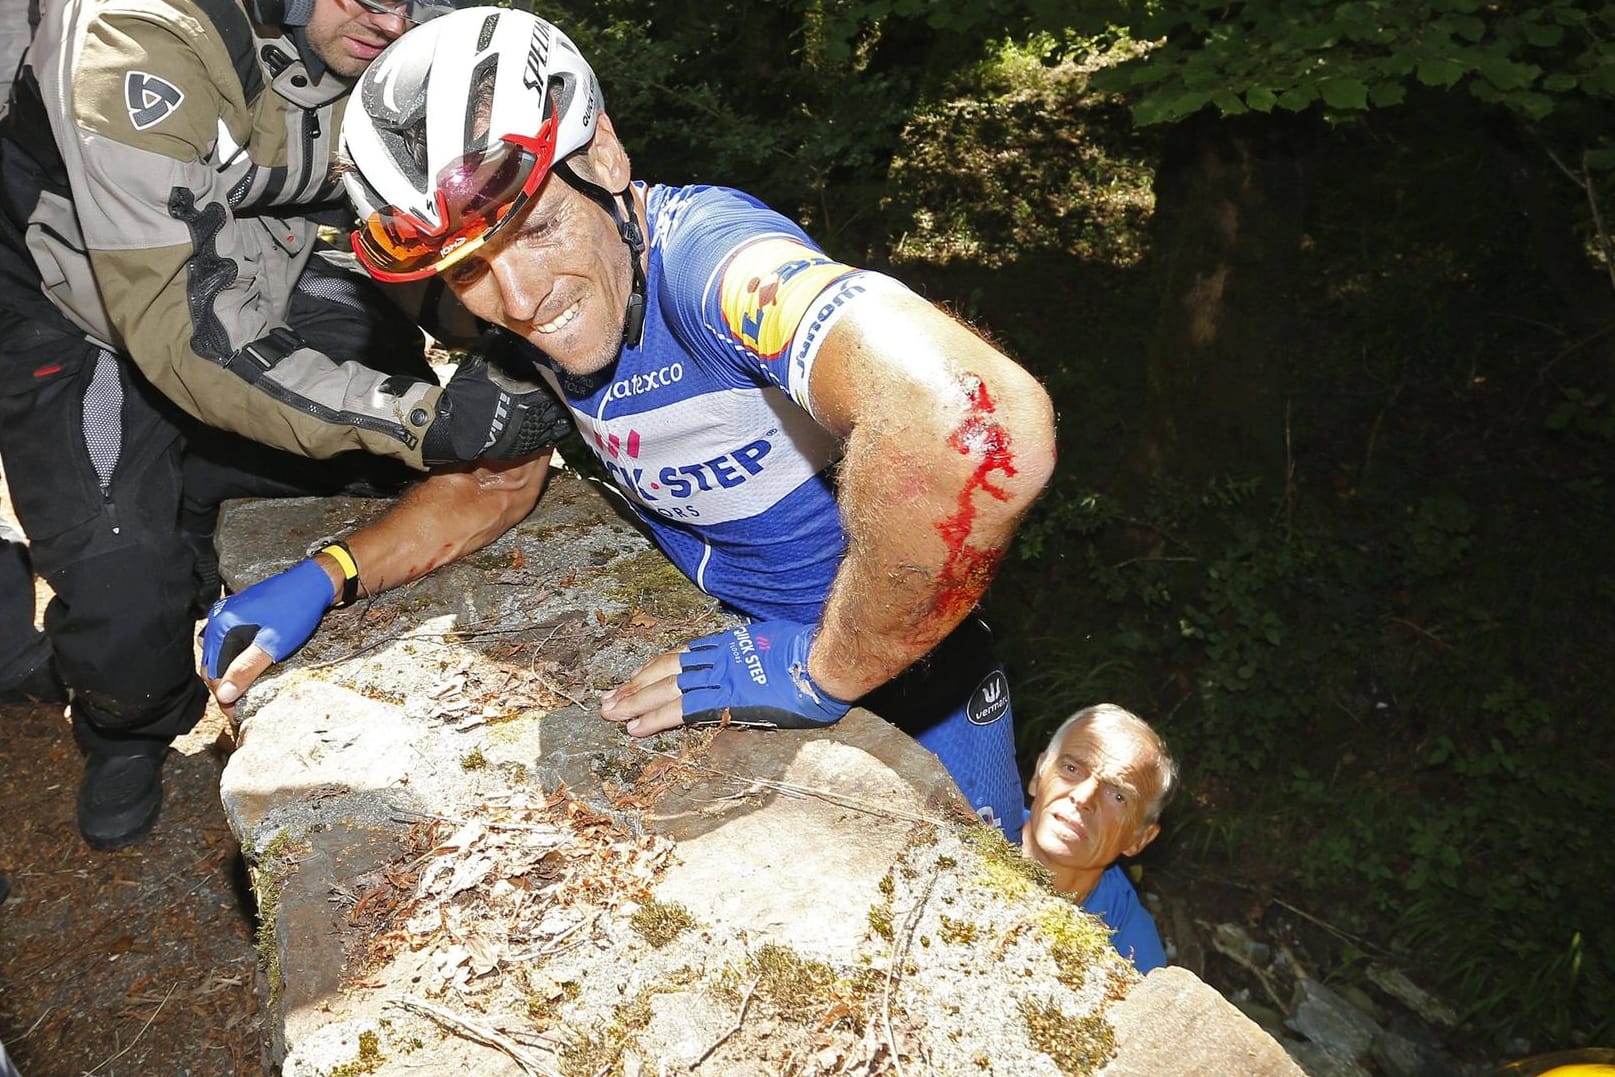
x=347 y=36
x=559 y=277
x=1088 y=801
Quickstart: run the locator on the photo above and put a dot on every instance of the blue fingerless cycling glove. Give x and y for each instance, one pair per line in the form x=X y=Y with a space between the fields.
x=757 y=674
x=278 y=614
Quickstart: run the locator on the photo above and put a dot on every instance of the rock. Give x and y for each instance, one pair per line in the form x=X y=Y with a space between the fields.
x=462 y=869
x=1236 y=944
x=1331 y=1022
x=1398 y=1056
x=1359 y=998
x=1316 y=1060
x=1271 y=1020
x=1173 y=1023
x=1431 y=1010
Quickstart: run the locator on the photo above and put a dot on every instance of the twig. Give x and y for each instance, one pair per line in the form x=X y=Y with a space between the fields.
x=1151 y=561
x=1289 y=472
x=113 y=1058
x=1425 y=632
x=552 y=946
x=895 y=971
x=1373 y=434
x=745 y=1004
x=32 y=1027
x=477 y=1032
x=840 y=801
x=1355 y=940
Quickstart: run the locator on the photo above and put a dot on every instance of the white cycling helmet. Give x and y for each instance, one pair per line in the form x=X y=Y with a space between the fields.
x=452 y=129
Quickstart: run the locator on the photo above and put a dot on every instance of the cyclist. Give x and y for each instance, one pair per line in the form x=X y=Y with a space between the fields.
x=820 y=448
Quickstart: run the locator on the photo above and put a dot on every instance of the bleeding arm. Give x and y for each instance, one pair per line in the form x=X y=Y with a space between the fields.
x=948 y=442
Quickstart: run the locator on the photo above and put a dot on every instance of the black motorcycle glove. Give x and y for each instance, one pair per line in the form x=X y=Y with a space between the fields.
x=485 y=414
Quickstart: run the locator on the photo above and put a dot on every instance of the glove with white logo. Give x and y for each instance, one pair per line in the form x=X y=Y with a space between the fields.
x=485 y=414
x=278 y=614
x=755 y=675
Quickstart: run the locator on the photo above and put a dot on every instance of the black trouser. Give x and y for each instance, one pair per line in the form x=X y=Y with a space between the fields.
x=99 y=465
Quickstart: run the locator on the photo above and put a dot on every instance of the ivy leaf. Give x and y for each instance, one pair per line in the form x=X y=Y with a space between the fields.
x=1437 y=72
x=1534 y=106
x=1387 y=94
x=1559 y=82
x=1260 y=98
x=1344 y=93
x=1602 y=159
x=1298 y=98
x=1505 y=74
x=1228 y=102
x=1544 y=35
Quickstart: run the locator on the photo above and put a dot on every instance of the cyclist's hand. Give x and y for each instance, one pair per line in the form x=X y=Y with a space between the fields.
x=264 y=624
x=754 y=675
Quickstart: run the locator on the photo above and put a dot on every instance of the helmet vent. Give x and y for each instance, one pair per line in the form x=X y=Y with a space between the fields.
x=485 y=38
x=479 y=104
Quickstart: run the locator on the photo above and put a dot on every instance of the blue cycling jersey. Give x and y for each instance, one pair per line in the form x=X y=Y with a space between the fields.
x=706 y=425
x=707 y=428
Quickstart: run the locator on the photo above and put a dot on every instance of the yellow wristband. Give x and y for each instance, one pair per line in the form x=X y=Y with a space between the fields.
x=339 y=552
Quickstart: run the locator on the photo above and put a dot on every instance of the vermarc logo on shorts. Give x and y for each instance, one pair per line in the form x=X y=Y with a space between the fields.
x=990 y=701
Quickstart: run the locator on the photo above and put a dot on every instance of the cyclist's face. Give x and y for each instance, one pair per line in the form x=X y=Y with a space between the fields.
x=559 y=277
x=348 y=35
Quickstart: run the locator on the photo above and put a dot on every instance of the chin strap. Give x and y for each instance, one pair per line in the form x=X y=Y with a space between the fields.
x=633 y=322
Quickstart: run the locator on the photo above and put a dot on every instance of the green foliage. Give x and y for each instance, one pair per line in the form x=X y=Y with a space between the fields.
x=1266 y=55
x=800 y=102
x=1006 y=169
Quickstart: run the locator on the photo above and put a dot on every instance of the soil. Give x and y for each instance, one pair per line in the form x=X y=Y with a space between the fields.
x=134 y=963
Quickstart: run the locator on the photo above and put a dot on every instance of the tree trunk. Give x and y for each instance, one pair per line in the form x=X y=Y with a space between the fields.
x=1227 y=233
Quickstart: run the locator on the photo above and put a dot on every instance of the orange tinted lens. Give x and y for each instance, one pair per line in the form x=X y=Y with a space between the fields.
x=476 y=194
x=395 y=245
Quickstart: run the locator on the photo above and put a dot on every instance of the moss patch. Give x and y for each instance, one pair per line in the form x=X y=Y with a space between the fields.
x=660 y=922
x=648 y=581
x=1076 y=940
x=1078 y=1045
x=594 y=1053
x=269 y=869
x=368 y=1059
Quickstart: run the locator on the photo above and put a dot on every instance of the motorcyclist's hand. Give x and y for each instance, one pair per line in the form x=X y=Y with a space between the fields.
x=248 y=632
x=754 y=675
x=486 y=414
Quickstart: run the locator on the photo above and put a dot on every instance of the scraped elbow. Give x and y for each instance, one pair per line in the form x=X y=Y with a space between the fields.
x=1027 y=417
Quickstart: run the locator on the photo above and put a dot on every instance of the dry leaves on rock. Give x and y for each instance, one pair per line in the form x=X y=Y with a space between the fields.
x=526 y=876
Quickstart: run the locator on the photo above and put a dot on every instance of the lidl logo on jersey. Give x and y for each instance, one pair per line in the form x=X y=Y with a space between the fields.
x=769 y=287
x=712 y=458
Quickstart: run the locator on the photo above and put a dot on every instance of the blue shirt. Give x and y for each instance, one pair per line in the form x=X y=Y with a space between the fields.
x=1116 y=903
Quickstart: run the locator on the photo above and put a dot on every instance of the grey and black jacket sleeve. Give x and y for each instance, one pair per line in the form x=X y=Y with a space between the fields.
x=191 y=147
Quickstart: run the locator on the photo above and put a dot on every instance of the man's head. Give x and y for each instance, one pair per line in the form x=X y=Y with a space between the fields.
x=344 y=35
x=480 y=151
x=347 y=35
x=1097 y=794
